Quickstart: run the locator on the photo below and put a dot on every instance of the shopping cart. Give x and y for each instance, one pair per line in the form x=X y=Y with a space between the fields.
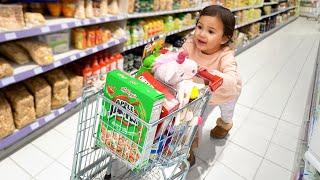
x=112 y=156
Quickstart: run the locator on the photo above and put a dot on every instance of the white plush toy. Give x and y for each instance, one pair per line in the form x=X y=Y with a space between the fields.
x=177 y=71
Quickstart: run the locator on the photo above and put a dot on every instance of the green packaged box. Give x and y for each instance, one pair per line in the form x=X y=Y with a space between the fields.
x=121 y=132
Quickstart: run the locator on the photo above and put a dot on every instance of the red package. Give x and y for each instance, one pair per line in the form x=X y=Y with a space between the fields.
x=91 y=37
x=171 y=103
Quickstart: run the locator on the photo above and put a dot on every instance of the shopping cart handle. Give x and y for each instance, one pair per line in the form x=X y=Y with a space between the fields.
x=214 y=81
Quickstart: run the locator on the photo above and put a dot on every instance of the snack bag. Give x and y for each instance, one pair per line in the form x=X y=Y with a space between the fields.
x=121 y=132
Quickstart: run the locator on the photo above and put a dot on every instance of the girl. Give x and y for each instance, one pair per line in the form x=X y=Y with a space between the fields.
x=210 y=48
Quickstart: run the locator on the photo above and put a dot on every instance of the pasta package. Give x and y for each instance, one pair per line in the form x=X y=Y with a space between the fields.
x=34 y=19
x=5 y=68
x=14 y=53
x=75 y=84
x=60 y=88
x=11 y=17
x=41 y=91
x=40 y=52
x=22 y=103
x=6 y=118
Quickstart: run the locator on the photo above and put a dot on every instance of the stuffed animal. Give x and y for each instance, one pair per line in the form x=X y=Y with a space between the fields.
x=177 y=71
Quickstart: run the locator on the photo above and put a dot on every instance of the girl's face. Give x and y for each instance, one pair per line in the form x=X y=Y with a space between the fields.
x=209 y=34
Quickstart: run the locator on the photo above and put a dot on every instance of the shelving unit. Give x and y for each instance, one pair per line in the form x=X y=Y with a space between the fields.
x=59 y=24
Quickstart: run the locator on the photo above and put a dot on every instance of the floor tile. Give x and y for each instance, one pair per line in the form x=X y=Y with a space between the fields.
x=281 y=156
x=31 y=155
x=250 y=142
x=261 y=119
x=269 y=170
x=219 y=172
x=240 y=160
x=289 y=129
x=53 y=143
x=54 y=172
x=66 y=158
x=256 y=130
x=285 y=140
x=10 y=170
x=69 y=127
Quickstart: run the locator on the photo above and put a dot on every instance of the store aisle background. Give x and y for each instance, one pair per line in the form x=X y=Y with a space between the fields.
x=277 y=74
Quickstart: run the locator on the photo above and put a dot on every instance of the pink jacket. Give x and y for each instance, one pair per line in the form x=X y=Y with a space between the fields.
x=223 y=64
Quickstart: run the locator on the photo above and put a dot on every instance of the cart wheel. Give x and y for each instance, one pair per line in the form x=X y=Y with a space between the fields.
x=107 y=177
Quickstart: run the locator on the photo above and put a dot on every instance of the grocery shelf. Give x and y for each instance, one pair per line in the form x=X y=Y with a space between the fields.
x=270 y=3
x=40 y=122
x=55 y=25
x=22 y=72
x=312 y=159
x=159 y=13
x=263 y=36
x=246 y=7
x=143 y=42
x=265 y=16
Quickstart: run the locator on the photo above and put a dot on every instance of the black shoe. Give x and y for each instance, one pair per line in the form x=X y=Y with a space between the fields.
x=191 y=158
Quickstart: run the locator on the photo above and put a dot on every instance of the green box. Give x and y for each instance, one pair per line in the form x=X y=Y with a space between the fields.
x=122 y=133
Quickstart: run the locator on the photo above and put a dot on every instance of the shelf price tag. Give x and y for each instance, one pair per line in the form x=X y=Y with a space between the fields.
x=8 y=80
x=45 y=29
x=37 y=70
x=49 y=117
x=9 y=36
x=34 y=125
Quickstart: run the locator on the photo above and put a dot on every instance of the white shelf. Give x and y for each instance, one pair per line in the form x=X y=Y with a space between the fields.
x=246 y=7
x=159 y=13
x=270 y=3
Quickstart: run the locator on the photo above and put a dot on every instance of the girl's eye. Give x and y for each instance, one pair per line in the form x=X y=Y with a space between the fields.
x=211 y=32
x=199 y=27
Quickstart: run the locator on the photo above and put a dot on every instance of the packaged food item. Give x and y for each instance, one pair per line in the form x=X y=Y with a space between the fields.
x=89 y=9
x=14 y=52
x=104 y=8
x=96 y=8
x=60 y=88
x=6 y=118
x=170 y=102
x=79 y=38
x=75 y=84
x=80 y=10
x=55 y=8
x=5 y=68
x=68 y=8
x=34 y=19
x=119 y=131
x=59 y=42
x=22 y=103
x=40 y=52
x=131 y=4
x=120 y=61
x=87 y=75
x=95 y=69
x=11 y=17
x=106 y=34
x=91 y=37
x=41 y=91
x=114 y=7
x=98 y=36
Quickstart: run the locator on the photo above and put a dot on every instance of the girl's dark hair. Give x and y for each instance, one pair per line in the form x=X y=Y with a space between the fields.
x=225 y=15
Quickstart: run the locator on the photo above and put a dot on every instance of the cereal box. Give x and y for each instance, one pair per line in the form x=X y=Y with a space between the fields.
x=119 y=130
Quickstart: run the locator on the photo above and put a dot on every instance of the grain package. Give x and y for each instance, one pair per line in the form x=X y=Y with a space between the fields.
x=40 y=52
x=14 y=52
x=34 y=19
x=11 y=17
x=41 y=92
x=60 y=88
x=6 y=118
x=5 y=68
x=75 y=84
x=22 y=104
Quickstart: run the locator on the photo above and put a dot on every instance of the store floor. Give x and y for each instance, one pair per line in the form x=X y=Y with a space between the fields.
x=262 y=145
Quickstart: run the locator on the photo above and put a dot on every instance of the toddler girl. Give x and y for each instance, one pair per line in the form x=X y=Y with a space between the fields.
x=210 y=48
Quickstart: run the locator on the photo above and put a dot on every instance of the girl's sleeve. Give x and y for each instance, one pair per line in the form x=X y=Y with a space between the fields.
x=228 y=71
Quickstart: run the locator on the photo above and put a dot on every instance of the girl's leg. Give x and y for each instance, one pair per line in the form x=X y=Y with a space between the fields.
x=224 y=124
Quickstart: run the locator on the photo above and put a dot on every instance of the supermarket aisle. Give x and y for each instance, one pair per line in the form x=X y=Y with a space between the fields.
x=277 y=73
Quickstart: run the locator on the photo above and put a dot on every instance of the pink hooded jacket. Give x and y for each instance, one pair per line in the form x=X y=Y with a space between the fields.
x=221 y=63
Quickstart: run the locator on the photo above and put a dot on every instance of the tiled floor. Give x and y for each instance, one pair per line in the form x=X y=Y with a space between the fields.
x=277 y=74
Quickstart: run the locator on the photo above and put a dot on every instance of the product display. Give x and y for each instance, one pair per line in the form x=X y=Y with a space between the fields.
x=75 y=84
x=41 y=92
x=40 y=52
x=34 y=19
x=6 y=118
x=5 y=68
x=58 y=42
x=14 y=52
x=22 y=104
x=11 y=17
x=60 y=88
